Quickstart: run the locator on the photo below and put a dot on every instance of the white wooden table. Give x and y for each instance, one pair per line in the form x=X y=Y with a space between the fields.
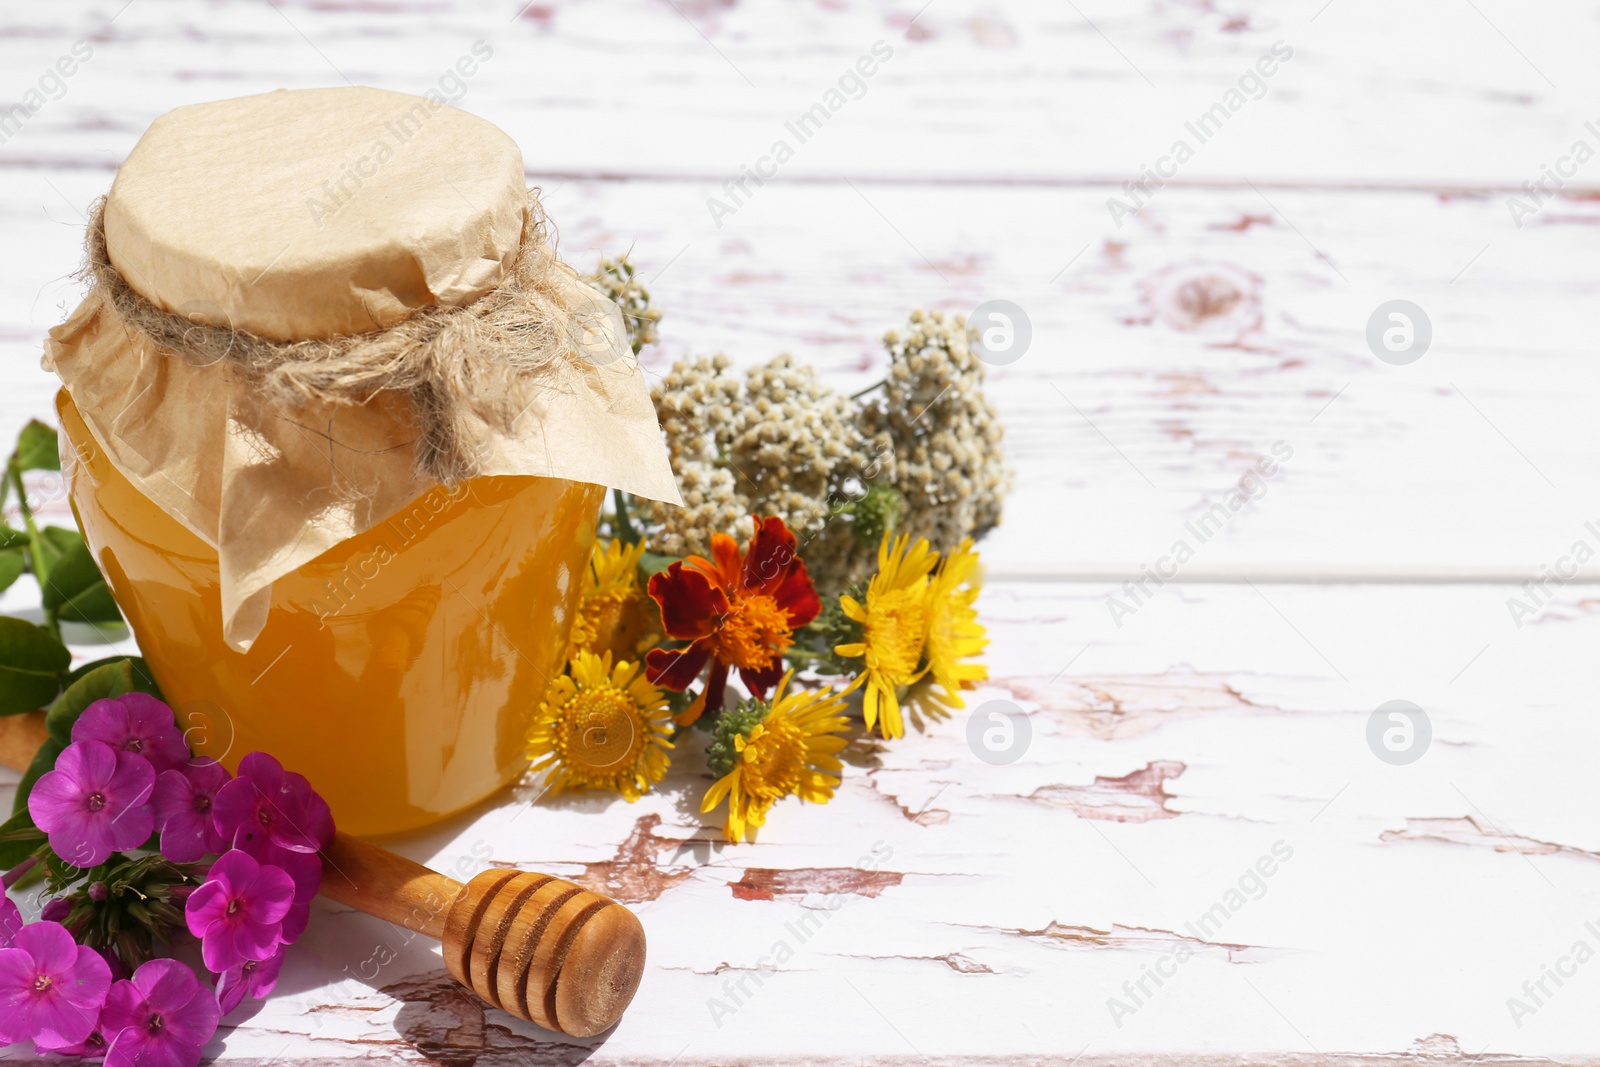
x=1222 y=729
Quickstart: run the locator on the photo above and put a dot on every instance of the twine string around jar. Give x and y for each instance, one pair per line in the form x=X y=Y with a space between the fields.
x=466 y=370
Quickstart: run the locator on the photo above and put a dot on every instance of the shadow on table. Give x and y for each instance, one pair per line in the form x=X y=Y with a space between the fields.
x=453 y=1028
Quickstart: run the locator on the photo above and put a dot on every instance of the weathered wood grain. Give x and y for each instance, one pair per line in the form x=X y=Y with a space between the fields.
x=1179 y=731
x=1136 y=407
x=1423 y=94
x=948 y=907
x=1472 y=463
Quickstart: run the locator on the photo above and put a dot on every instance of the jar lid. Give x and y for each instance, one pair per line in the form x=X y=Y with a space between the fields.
x=234 y=215
x=313 y=213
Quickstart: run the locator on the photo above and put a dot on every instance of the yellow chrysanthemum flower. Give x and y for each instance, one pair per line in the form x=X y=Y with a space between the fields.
x=894 y=629
x=600 y=728
x=614 y=614
x=954 y=635
x=792 y=751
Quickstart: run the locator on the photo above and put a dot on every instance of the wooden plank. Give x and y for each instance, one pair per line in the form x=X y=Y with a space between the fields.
x=1129 y=417
x=1005 y=904
x=1035 y=92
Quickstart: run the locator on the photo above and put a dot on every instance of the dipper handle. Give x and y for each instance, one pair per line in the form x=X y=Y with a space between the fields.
x=540 y=947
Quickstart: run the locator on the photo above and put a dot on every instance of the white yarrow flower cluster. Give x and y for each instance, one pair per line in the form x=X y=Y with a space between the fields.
x=792 y=441
x=946 y=436
x=921 y=455
x=776 y=443
x=695 y=403
x=615 y=278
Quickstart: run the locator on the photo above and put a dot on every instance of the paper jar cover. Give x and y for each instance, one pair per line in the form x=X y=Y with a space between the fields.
x=313 y=214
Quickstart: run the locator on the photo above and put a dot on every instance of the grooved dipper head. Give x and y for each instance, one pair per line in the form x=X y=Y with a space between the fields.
x=545 y=950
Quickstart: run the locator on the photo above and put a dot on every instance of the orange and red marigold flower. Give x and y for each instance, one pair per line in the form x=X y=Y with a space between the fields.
x=735 y=610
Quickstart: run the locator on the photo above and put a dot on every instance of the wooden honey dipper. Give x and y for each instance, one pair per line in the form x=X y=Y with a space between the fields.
x=539 y=947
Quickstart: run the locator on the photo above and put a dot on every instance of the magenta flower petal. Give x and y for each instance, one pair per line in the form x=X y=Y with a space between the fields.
x=206 y=907
x=10 y=921
x=262 y=978
x=182 y=800
x=232 y=945
x=271 y=893
x=208 y=776
x=238 y=911
x=51 y=947
x=257 y=979
x=218 y=950
x=254 y=940
x=264 y=768
x=195 y=1021
x=83 y=766
x=266 y=805
x=234 y=869
x=304 y=867
x=77 y=837
x=167 y=987
x=119 y=970
x=131 y=786
x=136 y=723
x=231 y=987
x=16 y=977
x=162 y=1017
x=317 y=823
x=94 y=802
x=51 y=988
x=80 y=1019
x=183 y=832
x=232 y=808
x=92 y=1047
x=59 y=792
x=171 y=797
x=294 y=922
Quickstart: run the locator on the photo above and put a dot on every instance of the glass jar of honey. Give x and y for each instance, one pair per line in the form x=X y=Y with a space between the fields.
x=398 y=671
x=295 y=576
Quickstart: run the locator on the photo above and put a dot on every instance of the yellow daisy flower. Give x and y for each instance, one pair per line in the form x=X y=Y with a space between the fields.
x=894 y=629
x=614 y=613
x=954 y=635
x=792 y=750
x=600 y=728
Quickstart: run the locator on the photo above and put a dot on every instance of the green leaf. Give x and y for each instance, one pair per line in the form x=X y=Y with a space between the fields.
x=56 y=542
x=143 y=680
x=111 y=680
x=18 y=838
x=75 y=590
x=10 y=538
x=38 y=448
x=95 y=606
x=31 y=665
x=650 y=563
x=13 y=561
x=43 y=760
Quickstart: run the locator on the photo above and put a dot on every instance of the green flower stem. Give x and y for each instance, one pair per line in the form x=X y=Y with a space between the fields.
x=625 y=531
x=52 y=624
